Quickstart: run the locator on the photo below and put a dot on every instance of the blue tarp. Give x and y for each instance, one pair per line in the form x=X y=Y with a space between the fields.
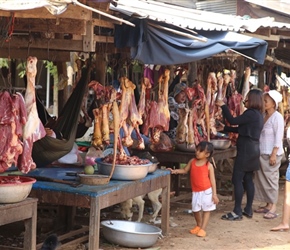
x=156 y=46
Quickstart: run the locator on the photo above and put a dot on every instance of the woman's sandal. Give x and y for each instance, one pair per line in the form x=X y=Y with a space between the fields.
x=249 y=216
x=270 y=215
x=262 y=210
x=231 y=216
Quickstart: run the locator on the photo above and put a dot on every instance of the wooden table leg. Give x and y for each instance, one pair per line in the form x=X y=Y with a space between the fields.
x=66 y=218
x=30 y=230
x=94 y=232
x=165 y=207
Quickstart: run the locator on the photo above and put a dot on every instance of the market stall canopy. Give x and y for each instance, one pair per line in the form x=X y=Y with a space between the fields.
x=152 y=45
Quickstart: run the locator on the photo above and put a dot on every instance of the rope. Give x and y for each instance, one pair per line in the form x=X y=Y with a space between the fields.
x=6 y=28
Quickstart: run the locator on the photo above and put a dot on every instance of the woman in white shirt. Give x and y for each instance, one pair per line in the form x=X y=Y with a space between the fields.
x=271 y=149
x=284 y=224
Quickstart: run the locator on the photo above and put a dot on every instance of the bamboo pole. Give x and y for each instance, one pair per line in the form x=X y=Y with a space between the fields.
x=200 y=39
x=278 y=62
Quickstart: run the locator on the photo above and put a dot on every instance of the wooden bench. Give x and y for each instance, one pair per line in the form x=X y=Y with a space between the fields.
x=22 y=211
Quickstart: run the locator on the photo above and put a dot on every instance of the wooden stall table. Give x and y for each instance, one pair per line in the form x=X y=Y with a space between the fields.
x=22 y=211
x=176 y=157
x=99 y=197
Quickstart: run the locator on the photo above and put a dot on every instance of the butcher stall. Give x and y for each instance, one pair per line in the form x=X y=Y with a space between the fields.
x=97 y=197
x=126 y=125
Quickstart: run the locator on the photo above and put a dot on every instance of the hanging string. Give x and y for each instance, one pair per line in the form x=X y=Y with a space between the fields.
x=10 y=27
x=9 y=50
x=29 y=40
x=6 y=28
x=48 y=40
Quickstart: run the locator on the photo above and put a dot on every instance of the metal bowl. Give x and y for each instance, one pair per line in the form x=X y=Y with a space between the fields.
x=11 y=191
x=130 y=234
x=221 y=143
x=185 y=147
x=123 y=172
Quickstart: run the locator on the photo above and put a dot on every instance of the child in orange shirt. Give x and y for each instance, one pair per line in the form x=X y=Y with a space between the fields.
x=203 y=185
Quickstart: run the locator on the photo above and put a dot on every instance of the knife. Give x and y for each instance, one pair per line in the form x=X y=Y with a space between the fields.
x=48 y=179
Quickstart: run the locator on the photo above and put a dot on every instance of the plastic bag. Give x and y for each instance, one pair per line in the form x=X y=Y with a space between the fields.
x=91 y=156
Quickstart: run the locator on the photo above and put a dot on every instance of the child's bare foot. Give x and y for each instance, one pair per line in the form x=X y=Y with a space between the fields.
x=280 y=228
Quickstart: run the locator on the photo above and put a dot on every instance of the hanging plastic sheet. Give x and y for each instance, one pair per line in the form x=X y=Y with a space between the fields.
x=158 y=46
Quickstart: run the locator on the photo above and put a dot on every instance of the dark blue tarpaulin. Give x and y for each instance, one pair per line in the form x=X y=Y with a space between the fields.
x=156 y=46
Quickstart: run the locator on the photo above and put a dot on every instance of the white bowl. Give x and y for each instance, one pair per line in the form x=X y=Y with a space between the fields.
x=130 y=234
x=12 y=191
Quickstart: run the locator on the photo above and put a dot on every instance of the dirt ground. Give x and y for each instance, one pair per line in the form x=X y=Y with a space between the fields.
x=251 y=234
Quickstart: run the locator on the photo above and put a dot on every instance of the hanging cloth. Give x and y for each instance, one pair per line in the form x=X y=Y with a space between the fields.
x=49 y=149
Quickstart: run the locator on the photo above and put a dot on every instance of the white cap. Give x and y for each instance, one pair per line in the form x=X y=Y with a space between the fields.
x=276 y=96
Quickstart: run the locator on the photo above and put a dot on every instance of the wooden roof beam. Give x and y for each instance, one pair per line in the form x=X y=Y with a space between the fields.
x=273 y=44
x=284 y=32
x=277 y=62
x=284 y=45
x=263 y=32
x=103 y=23
x=60 y=25
x=41 y=54
x=53 y=44
x=263 y=37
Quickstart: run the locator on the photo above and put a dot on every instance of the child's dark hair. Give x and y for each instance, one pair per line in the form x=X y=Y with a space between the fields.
x=205 y=145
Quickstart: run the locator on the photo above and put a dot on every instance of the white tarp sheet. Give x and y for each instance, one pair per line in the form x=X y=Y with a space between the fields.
x=55 y=7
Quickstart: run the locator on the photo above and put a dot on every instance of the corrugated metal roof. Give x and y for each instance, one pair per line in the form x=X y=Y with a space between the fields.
x=228 y=7
x=277 y=25
x=184 y=3
x=281 y=6
x=187 y=18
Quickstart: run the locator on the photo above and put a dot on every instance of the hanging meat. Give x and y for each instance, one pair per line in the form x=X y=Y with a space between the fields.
x=235 y=98
x=105 y=96
x=12 y=117
x=33 y=129
x=210 y=103
x=246 y=86
x=105 y=124
x=200 y=113
x=136 y=118
x=126 y=101
x=97 y=140
x=159 y=114
x=182 y=127
x=217 y=116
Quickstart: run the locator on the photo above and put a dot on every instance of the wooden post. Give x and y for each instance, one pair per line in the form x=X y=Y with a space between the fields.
x=88 y=39
x=192 y=73
x=261 y=78
x=62 y=96
x=101 y=68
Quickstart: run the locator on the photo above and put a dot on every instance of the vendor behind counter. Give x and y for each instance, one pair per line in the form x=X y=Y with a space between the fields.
x=176 y=100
